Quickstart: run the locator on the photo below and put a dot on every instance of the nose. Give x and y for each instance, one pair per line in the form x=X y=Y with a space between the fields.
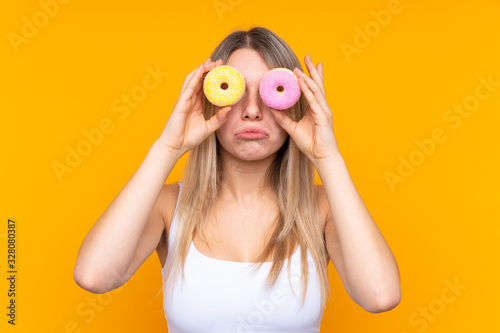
x=252 y=108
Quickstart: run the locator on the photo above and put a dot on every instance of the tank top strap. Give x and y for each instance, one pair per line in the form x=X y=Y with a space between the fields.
x=173 y=225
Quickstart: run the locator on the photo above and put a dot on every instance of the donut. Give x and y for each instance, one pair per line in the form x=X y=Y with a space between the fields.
x=279 y=88
x=223 y=85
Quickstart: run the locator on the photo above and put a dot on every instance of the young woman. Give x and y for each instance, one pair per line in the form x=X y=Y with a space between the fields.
x=245 y=239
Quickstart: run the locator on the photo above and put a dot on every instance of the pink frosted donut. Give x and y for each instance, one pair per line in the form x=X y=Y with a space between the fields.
x=279 y=88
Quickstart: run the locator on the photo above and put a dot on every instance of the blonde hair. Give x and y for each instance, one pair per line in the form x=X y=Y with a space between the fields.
x=291 y=176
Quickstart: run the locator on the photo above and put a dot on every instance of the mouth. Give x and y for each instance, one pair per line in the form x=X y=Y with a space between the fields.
x=252 y=133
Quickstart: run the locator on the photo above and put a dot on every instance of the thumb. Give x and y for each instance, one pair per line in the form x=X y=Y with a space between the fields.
x=283 y=120
x=218 y=119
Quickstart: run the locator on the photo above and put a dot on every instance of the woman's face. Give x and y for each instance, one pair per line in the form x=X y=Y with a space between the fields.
x=250 y=111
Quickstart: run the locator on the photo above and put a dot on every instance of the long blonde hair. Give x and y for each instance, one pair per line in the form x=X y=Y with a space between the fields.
x=291 y=176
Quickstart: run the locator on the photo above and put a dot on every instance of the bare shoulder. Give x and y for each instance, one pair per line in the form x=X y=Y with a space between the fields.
x=323 y=205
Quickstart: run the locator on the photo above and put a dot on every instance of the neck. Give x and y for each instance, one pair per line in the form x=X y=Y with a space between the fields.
x=243 y=182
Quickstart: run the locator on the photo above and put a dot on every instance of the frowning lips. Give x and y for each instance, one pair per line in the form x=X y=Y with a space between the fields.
x=252 y=129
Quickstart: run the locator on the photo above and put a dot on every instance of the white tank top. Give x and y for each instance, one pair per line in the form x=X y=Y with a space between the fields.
x=219 y=296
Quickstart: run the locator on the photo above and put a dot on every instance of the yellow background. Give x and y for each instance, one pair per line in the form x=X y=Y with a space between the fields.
x=441 y=222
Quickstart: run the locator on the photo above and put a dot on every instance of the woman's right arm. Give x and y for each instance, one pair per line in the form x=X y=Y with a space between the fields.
x=130 y=228
x=103 y=261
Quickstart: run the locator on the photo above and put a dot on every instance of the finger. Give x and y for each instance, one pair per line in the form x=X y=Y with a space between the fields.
x=208 y=67
x=198 y=101
x=320 y=71
x=219 y=62
x=310 y=82
x=284 y=121
x=311 y=97
x=217 y=119
x=319 y=68
x=313 y=86
x=199 y=93
x=199 y=87
x=313 y=72
x=187 y=78
x=191 y=84
x=211 y=65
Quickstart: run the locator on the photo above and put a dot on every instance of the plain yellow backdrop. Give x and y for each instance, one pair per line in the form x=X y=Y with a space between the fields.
x=415 y=91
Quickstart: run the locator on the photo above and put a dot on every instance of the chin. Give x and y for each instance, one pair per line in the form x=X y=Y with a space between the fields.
x=249 y=151
x=254 y=155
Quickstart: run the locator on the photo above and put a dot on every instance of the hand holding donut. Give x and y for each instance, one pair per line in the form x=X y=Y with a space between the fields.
x=313 y=134
x=187 y=127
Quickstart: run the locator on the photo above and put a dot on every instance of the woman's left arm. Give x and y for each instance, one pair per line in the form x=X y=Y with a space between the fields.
x=366 y=261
